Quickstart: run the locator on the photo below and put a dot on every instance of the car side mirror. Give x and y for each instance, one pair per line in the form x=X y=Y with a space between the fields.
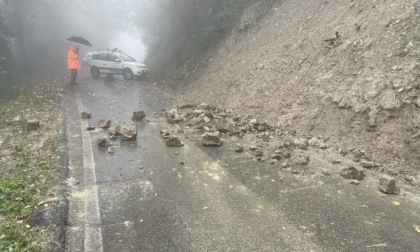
x=117 y=60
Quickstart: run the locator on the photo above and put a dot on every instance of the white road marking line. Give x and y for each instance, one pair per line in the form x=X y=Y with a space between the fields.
x=93 y=231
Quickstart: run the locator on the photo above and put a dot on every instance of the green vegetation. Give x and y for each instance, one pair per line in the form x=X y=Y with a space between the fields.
x=24 y=175
x=18 y=199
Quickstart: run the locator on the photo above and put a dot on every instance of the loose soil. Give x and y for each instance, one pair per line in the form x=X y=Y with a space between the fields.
x=344 y=71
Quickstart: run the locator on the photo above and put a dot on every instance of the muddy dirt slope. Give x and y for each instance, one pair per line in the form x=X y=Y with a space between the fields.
x=347 y=71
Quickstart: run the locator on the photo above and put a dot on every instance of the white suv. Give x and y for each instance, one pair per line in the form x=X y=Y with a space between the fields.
x=110 y=63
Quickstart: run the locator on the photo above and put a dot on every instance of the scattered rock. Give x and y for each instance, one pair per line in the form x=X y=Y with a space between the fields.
x=211 y=139
x=138 y=116
x=195 y=121
x=239 y=147
x=111 y=149
x=128 y=132
x=172 y=116
x=262 y=128
x=273 y=161
x=285 y=164
x=388 y=184
x=358 y=153
x=86 y=115
x=174 y=141
x=32 y=125
x=204 y=106
x=104 y=142
x=325 y=172
x=165 y=133
x=90 y=128
x=283 y=153
x=300 y=143
x=335 y=161
x=104 y=123
x=367 y=164
x=276 y=156
x=253 y=147
x=224 y=126
x=301 y=158
x=207 y=119
x=115 y=131
x=314 y=142
x=188 y=105
x=259 y=153
x=353 y=173
x=354 y=182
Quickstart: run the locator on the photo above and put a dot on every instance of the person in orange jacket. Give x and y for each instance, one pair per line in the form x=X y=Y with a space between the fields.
x=73 y=63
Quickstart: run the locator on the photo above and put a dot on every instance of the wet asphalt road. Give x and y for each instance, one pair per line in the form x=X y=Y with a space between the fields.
x=149 y=197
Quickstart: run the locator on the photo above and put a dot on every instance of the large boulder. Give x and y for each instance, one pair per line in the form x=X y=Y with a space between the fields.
x=211 y=139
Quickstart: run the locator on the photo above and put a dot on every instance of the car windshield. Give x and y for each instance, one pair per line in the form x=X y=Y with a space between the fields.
x=127 y=58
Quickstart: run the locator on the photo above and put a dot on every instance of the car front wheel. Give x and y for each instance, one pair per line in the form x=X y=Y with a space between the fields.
x=94 y=72
x=128 y=74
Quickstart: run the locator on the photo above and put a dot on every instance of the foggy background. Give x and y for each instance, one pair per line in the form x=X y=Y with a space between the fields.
x=33 y=34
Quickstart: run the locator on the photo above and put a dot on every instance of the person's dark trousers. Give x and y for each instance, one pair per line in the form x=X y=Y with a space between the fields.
x=73 y=75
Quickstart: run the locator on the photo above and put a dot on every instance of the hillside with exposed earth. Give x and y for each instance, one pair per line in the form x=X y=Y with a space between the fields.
x=343 y=71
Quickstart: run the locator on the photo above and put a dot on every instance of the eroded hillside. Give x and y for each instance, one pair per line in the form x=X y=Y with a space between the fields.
x=343 y=70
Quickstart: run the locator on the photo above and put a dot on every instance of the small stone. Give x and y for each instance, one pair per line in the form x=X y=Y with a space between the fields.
x=224 y=126
x=141 y=167
x=354 y=182
x=300 y=143
x=253 y=147
x=111 y=149
x=86 y=115
x=262 y=128
x=276 y=156
x=353 y=173
x=273 y=161
x=285 y=164
x=104 y=123
x=388 y=184
x=314 y=141
x=239 y=147
x=335 y=161
x=259 y=153
x=367 y=164
x=207 y=119
x=325 y=172
x=165 y=133
x=188 y=105
x=180 y=131
x=181 y=162
x=174 y=141
x=138 y=116
x=409 y=178
x=90 y=128
x=253 y=121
